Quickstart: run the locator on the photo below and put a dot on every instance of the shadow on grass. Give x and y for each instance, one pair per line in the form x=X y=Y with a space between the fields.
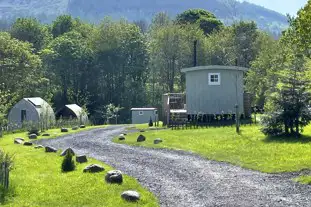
x=5 y=194
x=303 y=139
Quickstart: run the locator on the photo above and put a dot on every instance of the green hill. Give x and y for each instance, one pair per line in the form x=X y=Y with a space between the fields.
x=95 y=10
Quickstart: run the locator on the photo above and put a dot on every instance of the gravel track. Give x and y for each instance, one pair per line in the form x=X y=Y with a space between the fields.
x=181 y=179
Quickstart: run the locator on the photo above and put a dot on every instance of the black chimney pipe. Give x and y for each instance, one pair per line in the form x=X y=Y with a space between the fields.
x=195 y=53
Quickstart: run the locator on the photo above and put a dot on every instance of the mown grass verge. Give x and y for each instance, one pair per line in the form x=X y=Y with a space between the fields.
x=37 y=180
x=251 y=149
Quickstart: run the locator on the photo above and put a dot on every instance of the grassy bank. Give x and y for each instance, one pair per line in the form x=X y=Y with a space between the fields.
x=251 y=149
x=36 y=180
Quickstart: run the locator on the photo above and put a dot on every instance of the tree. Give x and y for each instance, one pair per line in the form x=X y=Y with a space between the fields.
x=206 y=20
x=20 y=69
x=302 y=25
x=63 y=24
x=30 y=30
x=4 y=107
x=69 y=61
x=121 y=59
x=111 y=112
x=290 y=102
x=221 y=47
x=288 y=110
x=68 y=163
x=262 y=76
x=160 y=20
x=245 y=37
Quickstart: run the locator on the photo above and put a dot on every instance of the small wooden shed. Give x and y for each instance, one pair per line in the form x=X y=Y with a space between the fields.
x=33 y=110
x=72 y=111
x=143 y=115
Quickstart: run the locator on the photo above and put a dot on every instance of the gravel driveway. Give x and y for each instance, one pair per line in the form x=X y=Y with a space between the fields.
x=181 y=179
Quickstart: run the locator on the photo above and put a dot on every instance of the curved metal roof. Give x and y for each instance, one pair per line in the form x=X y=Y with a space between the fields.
x=214 y=67
x=77 y=110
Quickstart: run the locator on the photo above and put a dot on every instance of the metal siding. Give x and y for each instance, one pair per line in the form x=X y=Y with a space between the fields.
x=32 y=113
x=203 y=98
x=14 y=117
x=142 y=119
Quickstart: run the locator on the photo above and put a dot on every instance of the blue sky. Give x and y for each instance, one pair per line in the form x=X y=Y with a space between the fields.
x=282 y=6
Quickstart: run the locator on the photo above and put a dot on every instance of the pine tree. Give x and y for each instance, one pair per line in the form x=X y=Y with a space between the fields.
x=68 y=163
x=291 y=112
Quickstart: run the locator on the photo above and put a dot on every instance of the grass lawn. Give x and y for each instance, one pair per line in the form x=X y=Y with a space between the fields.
x=304 y=180
x=37 y=180
x=251 y=149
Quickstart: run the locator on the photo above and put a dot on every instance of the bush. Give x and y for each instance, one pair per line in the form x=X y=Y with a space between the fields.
x=272 y=124
x=68 y=163
x=150 y=122
x=33 y=128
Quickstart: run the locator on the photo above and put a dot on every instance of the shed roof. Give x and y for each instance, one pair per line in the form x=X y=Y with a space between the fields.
x=143 y=109
x=40 y=105
x=36 y=101
x=214 y=67
x=75 y=109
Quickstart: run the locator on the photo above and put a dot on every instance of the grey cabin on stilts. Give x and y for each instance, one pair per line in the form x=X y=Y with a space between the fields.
x=31 y=110
x=215 y=90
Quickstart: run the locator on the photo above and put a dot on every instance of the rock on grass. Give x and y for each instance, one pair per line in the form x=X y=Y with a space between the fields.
x=50 y=149
x=114 y=176
x=81 y=159
x=94 y=168
x=141 y=138
x=131 y=196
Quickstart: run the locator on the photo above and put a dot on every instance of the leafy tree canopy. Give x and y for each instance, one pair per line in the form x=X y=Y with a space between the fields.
x=32 y=31
x=206 y=20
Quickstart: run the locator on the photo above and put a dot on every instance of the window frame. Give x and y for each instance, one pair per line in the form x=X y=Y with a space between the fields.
x=212 y=83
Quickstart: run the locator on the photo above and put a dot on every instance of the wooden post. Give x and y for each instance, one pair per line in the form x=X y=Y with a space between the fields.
x=237 y=119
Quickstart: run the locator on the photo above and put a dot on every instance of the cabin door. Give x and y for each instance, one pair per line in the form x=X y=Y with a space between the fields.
x=23 y=115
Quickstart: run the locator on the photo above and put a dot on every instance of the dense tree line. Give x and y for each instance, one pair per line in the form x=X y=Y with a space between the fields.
x=127 y=64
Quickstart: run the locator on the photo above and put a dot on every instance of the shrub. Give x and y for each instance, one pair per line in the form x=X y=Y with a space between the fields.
x=68 y=163
x=150 y=122
x=33 y=128
x=272 y=124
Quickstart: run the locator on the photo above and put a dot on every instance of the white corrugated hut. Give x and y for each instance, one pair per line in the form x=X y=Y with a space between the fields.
x=72 y=111
x=33 y=110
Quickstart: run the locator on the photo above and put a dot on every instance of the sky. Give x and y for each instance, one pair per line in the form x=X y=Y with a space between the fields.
x=281 y=6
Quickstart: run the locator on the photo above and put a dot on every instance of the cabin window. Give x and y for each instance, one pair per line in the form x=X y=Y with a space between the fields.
x=214 y=79
x=156 y=112
x=23 y=115
x=141 y=113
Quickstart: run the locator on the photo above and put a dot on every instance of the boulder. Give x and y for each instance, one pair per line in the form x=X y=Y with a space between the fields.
x=75 y=128
x=33 y=136
x=121 y=137
x=114 y=176
x=131 y=196
x=94 y=168
x=50 y=149
x=28 y=144
x=19 y=141
x=81 y=159
x=66 y=150
x=46 y=135
x=141 y=138
x=39 y=147
x=64 y=130
x=157 y=141
x=82 y=126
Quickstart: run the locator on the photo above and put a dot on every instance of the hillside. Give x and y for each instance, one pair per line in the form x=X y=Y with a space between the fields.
x=94 y=10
